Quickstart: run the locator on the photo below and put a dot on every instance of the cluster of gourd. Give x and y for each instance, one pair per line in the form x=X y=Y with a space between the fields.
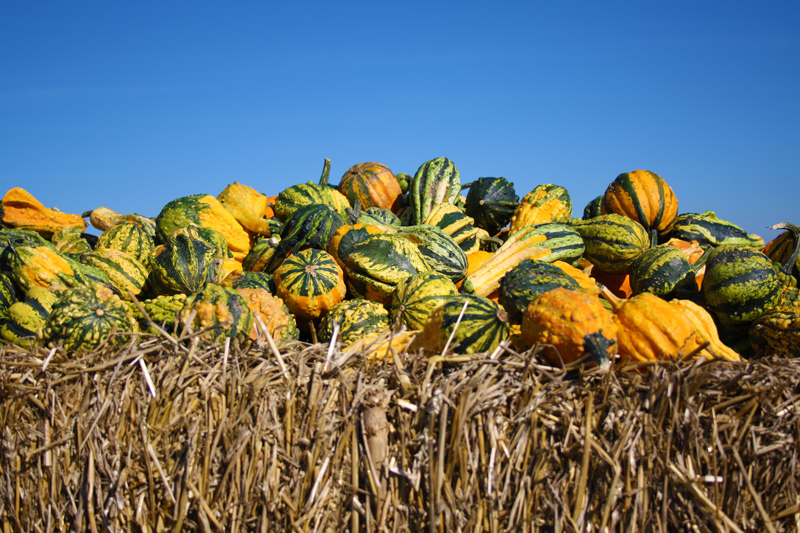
x=382 y=252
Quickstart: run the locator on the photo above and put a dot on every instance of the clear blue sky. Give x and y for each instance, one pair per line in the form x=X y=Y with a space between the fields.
x=129 y=105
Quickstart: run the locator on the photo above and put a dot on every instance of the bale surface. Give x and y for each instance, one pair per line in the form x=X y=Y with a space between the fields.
x=184 y=435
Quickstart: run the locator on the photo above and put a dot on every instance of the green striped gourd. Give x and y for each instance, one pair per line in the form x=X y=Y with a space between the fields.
x=245 y=279
x=310 y=282
x=377 y=216
x=739 y=285
x=645 y=197
x=124 y=271
x=8 y=294
x=477 y=328
x=546 y=203
x=84 y=317
x=43 y=266
x=130 y=238
x=530 y=278
x=593 y=208
x=460 y=226
x=546 y=242
x=163 y=310
x=373 y=185
x=300 y=195
x=709 y=230
x=218 y=307
x=357 y=318
x=72 y=241
x=416 y=296
x=104 y=219
x=663 y=270
x=612 y=241
x=375 y=265
x=310 y=226
x=491 y=202
x=183 y=266
x=440 y=251
x=260 y=254
x=436 y=181
x=27 y=317
x=12 y=237
x=776 y=331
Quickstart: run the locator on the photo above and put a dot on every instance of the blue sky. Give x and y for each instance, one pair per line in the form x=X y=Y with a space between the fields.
x=129 y=105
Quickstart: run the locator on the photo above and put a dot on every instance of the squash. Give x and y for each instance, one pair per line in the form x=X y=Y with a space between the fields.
x=130 y=238
x=124 y=271
x=526 y=281
x=706 y=328
x=26 y=318
x=664 y=270
x=373 y=185
x=347 y=236
x=416 y=296
x=84 y=317
x=376 y=216
x=163 y=310
x=245 y=279
x=205 y=211
x=454 y=222
x=784 y=247
x=440 y=251
x=476 y=324
x=184 y=265
x=300 y=195
x=104 y=219
x=436 y=182
x=8 y=294
x=260 y=254
x=310 y=282
x=776 y=331
x=570 y=324
x=310 y=226
x=357 y=318
x=545 y=242
x=645 y=197
x=72 y=241
x=709 y=230
x=546 y=203
x=272 y=312
x=221 y=308
x=593 y=208
x=247 y=206
x=612 y=241
x=19 y=209
x=584 y=280
x=491 y=202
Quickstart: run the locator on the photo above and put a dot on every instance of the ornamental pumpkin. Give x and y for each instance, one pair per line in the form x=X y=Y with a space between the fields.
x=310 y=282
x=461 y=227
x=19 y=209
x=271 y=312
x=248 y=207
x=664 y=270
x=416 y=296
x=471 y=323
x=357 y=318
x=709 y=230
x=260 y=254
x=612 y=241
x=436 y=181
x=347 y=236
x=782 y=248
x=130 y=238
x=124 y=271
x=310 y=226
x=26 y=318
x=546 y=203
x=531 y=278
x=372 y=185
x=776 y=331
x=570 y=324
x=491 y=202
x=104 y=219
x=220 y=308
x=72 y=241
x=300 y=195
x=593 y=208
x=184 y=265
x=84 y=317
x=645 y=197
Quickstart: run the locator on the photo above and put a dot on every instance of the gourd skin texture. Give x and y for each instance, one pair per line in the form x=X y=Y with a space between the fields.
x=709 y=230
x=310 y=283
x=216 y=305
x=357 y=318
x=124 y=271
x=547 y=203
x=491 y=202
x=483 y=326
x=272 y=311
x=525 y=282
x=777 y=331
x=130 y=238
x=573 y=323
x=416 y=296
x=642 y=196
x=612 y=241
x=372 y=184
x=247 y=206
x=183 y=266
x=437 y=181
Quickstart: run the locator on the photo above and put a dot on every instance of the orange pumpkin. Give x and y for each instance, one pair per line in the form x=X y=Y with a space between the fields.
x=372 y=184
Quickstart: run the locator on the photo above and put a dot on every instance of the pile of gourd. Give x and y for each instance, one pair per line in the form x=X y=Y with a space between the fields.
x=631 y=280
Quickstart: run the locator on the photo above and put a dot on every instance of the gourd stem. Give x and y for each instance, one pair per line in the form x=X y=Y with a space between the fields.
x=354 y=212
x=788 y=265
x=615 y=301
x=596 y=345
x=697 y=265
x=326 y=172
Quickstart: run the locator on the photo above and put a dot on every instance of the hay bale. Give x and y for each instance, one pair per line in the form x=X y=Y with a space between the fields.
x=179 y=434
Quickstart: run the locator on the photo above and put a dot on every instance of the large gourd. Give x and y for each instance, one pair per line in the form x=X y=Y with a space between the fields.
x=310 y=282
x=300 y=195
x=436 y=181
x=19 y=209
x=416 y=296
x=612 y=241
x=645 y=197
x=709 y=230
x=184 y=266
x=372 y=185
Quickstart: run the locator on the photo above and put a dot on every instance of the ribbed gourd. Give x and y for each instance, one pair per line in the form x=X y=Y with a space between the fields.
x=310 y=282
x=130 y=238
x=373 y=185
x=8 y=294
x=220 y=308
x=440 y=251
x=570 y=324
x=377 y=215
x=19 y=209
x=84 y=317
x=345 y=238
x=471 y=323
x=491 y=202
x=781 y=249
x=310 y=226
x=664 y=270
x=269 y=312
x=10 y=238
x=184 y=265
x=72 y=241
x=356 y=319
x=260 y=254
x=43 y=266
x=248 y=207
x=526 y=281
x=545 y=242
x=460 y=226
x=709 y=230
x=300 y=195
x=776 y=331
x=205 y=211
x=245 y=279
x=26 y=318
x=612 y=241
x=645 y=197
x=436 y=181
x=124 y=271
x=546 y=203
x=416 y=296
x=376 y=265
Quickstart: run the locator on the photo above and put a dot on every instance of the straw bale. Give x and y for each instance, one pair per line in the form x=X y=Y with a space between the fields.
x=174 y=433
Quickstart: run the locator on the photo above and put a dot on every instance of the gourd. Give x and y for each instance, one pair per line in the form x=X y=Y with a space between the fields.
x=373 y=185
x=184 y=265
x=11 y=238
x=124 y=271
x=436 y=181
x=247 y=206
x=570 y=324
x=491 y=202
x=245 y=279
x=584 y=280
x=163 y=310
x=310 y=226
x=357 y=318
x=19 y=209
x=477 y=328
x=546 y=203
x=645 y=197
x=376 y=265
x=104 y=219
x=776 y=331
x=612 y=241
x=260 y=254
x=272 y=312
x=347 y=236
x=709 y=230
x=526 y=281
x=8 y=294
x=664 y=270
x=456 y=223
x=781 y=248
x=440 y=251
x=706 y=328
x=130 y=238
x=300 y=195
x=310 y=282
x=416 y=296
x=220 y=308
x=376 y=215
x=72 y=241
x=205 y=211
x=41 y=266
x=26 y=318
x=545 y=242
x=84 y=317
x=593 y=208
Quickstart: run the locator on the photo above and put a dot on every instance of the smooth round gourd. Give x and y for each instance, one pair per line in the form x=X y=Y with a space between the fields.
x=373 y=185
x=416 y=296
x=491 y=202
x=477 y=328
x=612 y=241
x=642 y=196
